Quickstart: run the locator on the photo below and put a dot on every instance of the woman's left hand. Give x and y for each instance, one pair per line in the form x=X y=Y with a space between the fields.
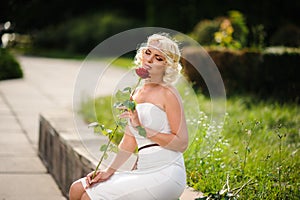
x=133 y=116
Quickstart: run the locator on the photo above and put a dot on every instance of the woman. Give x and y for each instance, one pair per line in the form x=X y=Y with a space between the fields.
x=160 y=172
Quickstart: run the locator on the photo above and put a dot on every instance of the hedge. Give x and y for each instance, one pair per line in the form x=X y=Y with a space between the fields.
x=9 y=66
x=82 y=34
x=265 y=74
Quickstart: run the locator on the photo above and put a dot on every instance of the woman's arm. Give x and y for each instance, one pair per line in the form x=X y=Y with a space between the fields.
x=178 y=139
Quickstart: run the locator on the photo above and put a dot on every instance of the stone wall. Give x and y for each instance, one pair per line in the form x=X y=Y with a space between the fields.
x=61 y=150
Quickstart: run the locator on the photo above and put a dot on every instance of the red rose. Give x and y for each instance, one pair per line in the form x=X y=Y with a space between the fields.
x=142 y=72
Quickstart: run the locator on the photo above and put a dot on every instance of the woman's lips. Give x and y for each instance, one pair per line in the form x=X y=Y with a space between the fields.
x=147 y=67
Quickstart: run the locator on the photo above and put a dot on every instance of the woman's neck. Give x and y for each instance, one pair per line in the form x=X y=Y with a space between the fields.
x=154 y=81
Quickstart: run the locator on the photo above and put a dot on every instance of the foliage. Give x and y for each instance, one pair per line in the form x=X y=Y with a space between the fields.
x=9 y=66
x=104 y=148
x=287 y=35
x=103 y=114
x=230 y=31
x=269 y=73
x=204 y=31
x=273 y=15
x=224 y=37
x=239 y=25
x=258 y=147
x=124 y=62
x=258 y=34
x=82 y=34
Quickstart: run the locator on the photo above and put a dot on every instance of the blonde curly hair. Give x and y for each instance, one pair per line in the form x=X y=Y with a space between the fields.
x=169 y=47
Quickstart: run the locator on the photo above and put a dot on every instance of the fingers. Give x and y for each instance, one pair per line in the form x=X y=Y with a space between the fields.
x=129 y=114
x=125 y=114
x=89 y=178
x=101 y=176
x=134 y=119
x=87 y=183
x=122 y=108
x=97 y=178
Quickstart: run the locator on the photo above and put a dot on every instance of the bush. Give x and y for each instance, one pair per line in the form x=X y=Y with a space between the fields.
x=9 y=66
x=288 y=35
x=204 y=31
x=230 y=31
x=81 y=35
x=271 y=73
x=241 y=31
x=280 y=73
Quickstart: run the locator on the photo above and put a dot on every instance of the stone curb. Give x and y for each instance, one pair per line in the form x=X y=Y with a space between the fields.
x=62 y=153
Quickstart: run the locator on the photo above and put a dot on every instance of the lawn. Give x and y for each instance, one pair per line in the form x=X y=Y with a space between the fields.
x=258 y=145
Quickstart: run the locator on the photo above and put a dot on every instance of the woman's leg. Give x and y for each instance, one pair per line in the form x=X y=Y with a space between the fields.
x=85 y=196
x=77 y=192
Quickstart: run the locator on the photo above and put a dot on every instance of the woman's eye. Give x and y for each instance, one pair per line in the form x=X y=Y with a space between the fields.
x=147 y=52
x=159 y=59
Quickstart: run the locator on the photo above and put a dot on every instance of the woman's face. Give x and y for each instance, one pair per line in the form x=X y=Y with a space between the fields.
x=154 y=61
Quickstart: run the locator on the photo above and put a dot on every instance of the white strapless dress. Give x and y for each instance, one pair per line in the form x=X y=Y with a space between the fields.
x=160 y=172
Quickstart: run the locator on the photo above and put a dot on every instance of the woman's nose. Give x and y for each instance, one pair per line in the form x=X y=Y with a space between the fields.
x=150 y=58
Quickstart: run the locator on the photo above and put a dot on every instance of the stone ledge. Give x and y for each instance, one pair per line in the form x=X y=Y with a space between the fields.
x=64 y=155
x=62 y=151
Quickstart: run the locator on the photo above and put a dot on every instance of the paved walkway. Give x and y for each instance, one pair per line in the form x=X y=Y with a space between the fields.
x=47 y=84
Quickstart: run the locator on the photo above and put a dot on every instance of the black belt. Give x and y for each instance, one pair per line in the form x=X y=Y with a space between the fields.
x=146 y=146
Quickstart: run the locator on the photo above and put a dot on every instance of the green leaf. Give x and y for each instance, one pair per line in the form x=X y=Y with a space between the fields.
x=122 y=123
x=142 y=131
x=127 y=89
x=113 y=148
x=97 y=129
x=103 y=147
x=122 y=96
x=106 y=131
x=102 y=127
x=111 y=136
x=117 y=104
x=130 y=105
x=105 y=156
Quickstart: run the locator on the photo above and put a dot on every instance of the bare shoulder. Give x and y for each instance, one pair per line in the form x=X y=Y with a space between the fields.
x=171 y=92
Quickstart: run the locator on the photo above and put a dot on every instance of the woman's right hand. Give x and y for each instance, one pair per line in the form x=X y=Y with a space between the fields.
x=100 y=176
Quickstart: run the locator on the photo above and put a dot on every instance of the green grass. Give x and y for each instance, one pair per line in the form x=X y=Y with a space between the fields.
x=259 y=143
x=103 y=114
x=124 y=62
